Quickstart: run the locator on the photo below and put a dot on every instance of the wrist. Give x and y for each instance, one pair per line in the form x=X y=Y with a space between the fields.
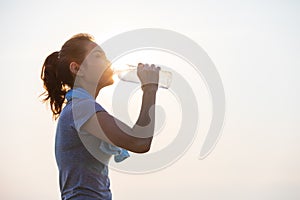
x=150 y=87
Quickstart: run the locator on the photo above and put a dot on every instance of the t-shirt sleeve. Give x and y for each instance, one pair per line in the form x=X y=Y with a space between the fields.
x=83 y=110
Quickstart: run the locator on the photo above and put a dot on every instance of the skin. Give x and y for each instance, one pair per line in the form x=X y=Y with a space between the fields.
x=94 y=66
x=94 y=74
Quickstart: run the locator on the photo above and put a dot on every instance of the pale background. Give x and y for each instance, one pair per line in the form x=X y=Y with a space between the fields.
x=255 y=46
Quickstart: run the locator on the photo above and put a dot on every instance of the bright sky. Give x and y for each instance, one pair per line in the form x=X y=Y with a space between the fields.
x=255 y=46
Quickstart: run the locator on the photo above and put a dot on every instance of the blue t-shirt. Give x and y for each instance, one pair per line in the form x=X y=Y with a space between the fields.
x=81 y=157
x=81 y=175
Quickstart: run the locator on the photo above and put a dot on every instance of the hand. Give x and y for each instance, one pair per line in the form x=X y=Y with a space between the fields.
x=148 y=75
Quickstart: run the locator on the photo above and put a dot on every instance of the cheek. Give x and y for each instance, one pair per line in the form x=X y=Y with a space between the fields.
x=99 y=73
x=107 y=74
x=96 y=70
x=95 y=73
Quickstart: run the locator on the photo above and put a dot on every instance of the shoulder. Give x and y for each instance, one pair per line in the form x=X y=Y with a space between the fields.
x=79 y=111
x=84 y=105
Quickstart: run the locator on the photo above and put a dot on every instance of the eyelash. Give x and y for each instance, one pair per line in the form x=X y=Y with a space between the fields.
x=98 y=55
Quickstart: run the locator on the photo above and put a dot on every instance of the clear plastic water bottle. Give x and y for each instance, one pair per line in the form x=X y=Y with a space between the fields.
x=129 y=74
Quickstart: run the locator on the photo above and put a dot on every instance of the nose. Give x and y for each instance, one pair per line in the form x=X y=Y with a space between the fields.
x=109 y=68
x=108 y=63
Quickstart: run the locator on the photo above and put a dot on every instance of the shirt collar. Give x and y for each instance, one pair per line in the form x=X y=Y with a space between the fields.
x=78 y=93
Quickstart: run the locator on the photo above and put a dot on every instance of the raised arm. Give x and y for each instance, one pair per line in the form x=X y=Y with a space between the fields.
x=138 y=138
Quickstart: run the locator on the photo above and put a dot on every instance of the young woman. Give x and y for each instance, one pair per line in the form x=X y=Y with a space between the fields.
x=86 y=135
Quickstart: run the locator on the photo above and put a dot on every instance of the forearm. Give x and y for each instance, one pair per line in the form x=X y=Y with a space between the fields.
x=144 y=127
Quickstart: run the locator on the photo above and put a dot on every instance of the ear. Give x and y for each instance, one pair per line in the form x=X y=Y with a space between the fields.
x=75 y=69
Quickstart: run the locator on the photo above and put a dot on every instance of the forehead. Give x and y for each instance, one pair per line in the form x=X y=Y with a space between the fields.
x=92 y=47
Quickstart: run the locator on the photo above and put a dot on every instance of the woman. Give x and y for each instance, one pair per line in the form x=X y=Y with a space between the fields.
x=86 y=135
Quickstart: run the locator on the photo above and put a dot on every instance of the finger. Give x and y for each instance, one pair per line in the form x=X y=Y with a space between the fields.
x=158 y=68
x=152 y=66
x=146 y=66
x=140 y=66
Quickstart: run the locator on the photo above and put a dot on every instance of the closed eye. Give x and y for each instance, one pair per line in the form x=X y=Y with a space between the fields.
x=98 y=53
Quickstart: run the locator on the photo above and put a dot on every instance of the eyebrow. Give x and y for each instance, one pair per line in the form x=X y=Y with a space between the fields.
x=98 y=51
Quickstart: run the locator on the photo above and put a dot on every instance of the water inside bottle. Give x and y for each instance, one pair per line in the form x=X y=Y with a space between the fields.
x=129 y=74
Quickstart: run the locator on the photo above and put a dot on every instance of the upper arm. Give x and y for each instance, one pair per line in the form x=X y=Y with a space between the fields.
x=110 y=129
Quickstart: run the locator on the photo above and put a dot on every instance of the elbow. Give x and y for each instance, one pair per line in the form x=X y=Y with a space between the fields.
x=142 y=150
x=141 y=147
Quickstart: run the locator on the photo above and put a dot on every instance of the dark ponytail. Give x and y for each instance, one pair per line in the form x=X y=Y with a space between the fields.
x=56 y=74
x=53 y=83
